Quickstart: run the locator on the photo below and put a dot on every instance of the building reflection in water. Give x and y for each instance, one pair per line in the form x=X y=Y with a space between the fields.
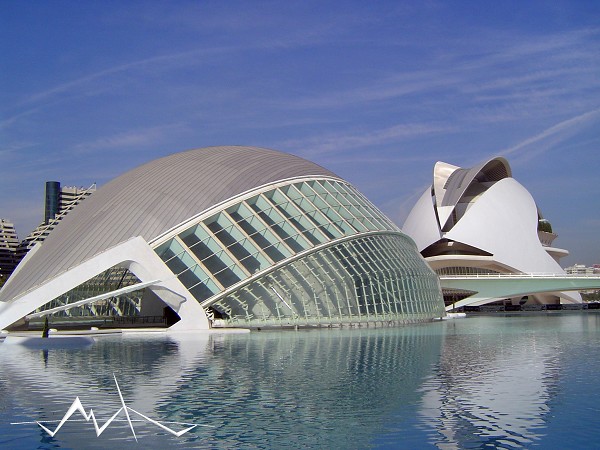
x=441 y=383
x=491 y=387
x=327 y=388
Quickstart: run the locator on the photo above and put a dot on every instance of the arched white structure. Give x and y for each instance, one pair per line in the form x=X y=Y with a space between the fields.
x=242 y=235
x=482 y=221
x=136 y=256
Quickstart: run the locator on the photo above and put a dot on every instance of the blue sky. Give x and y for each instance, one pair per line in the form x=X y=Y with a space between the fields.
x=374 y=91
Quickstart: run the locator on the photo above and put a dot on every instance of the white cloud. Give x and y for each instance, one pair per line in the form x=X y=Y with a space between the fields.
x=132 y=138
x=548 y=138
x=333 y=143
x=520 y=76
x=13 y=149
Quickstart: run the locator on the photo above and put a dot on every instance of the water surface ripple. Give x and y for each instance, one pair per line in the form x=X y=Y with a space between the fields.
x=524 y=381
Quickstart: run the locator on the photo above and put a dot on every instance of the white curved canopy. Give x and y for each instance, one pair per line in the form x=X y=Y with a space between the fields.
x=485 y=209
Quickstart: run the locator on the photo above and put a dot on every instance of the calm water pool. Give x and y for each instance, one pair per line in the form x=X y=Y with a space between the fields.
x=491 y=381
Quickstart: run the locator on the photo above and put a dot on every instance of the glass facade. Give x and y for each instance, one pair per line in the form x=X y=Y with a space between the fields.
x=308 y=252
x=52 y=203
x=124 y=305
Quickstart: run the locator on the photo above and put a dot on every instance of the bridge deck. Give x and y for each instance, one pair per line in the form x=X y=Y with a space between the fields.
x=492 y=287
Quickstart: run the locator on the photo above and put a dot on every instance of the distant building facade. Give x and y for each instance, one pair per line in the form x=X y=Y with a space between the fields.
x=581 y=269
x=59 y=201
x=8 y=248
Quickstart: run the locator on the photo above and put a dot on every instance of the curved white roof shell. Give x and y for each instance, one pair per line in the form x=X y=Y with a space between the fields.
x=460 y=179
x=152 y=199
x=451 y=182
x=503 y=222
x=481 y=218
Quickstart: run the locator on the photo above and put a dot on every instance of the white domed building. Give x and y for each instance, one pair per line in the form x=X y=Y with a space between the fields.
x=234 y=236
x=480 y=220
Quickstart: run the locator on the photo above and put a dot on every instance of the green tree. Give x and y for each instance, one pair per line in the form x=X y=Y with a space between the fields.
x=544 y=225
x=46 y=328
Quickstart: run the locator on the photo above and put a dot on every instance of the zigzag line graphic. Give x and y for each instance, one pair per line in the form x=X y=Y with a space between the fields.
x=77 y=406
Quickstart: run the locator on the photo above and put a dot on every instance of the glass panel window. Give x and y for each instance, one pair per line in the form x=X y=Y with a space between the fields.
x=242 y=255
x=327 y=209
x=336 y=199
x=311 y=211
x=263 y=237
x=298 y=217
x=242 y=248
x=169 y=250
x=208 y=251
x=282 y=228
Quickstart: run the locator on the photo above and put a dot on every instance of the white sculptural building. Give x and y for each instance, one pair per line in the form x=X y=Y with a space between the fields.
x=244 y=236
x=480 y=220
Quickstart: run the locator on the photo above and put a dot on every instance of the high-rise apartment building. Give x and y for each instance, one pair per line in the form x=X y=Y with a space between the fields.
x=8 y=248
x=59 y=200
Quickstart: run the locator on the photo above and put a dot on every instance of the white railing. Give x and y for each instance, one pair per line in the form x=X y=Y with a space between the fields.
x=520 y=275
